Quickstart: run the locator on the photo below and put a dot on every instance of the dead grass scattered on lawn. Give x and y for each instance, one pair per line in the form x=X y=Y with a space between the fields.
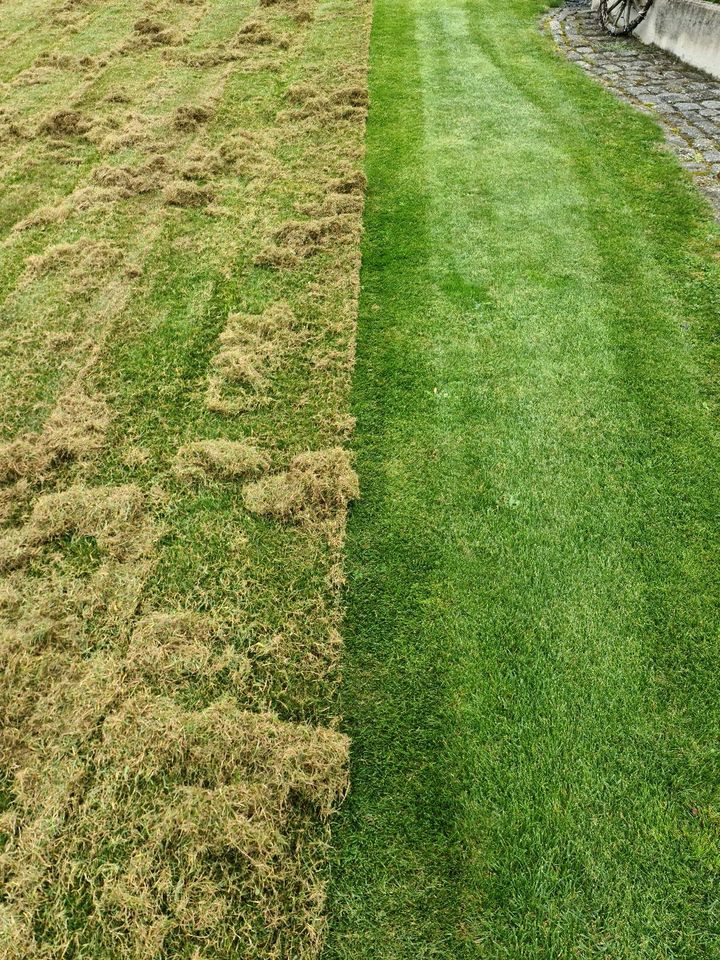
x=186 y=814
x=65 y=123
x=129 y=181
x=75 y=430
x=312 y=103
x=114 y=517
x=82 y=264
x=185 y=193
x=191 y=117
x=166 y=648
x=158 y=803
x=151 y=33
x=315 y=490
x=251 y=347
x=222 y=459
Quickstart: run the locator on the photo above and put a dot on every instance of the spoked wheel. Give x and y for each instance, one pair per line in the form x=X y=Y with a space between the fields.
x=620 y=17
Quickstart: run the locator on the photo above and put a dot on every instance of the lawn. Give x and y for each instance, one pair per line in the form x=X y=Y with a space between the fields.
x=531 y=674
x=180 y=214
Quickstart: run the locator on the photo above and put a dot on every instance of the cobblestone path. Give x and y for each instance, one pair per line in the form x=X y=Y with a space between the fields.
x=685 y=101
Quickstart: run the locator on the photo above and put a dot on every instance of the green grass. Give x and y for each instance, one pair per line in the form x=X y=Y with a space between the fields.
x=531 y=671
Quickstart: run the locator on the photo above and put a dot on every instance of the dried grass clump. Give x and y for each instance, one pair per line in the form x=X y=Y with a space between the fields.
x=251 y=346
x=333 y=205
x=151 y=33
x=185 y=193
x=130 y=181
x=296 y=240
x=82 y=263
x=353 y=182
x=222 y=459
x=307 y=237
x=11 y=127
x=44 y=217
x=64 y=61
x=77 y=426
x=115 y=517
x=168 y=648
x=131 y=131
x=254 y=31
x=196 y=826
x=118 y=95
x=351 y=96
x=274 y=257
x=248 y=153
x=202 y=164
x=344 y=103
x=301 y=10
x=318 y=486
x=75 y=430
x=190 y=117
x=65 y=123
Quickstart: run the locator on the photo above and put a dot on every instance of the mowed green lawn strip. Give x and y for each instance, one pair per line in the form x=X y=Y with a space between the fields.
x=531 y=677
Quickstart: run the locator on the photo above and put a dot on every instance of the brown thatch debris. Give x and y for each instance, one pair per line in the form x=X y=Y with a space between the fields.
x=118 y=95
x=297 y=239
x=274 y=257
x=75 y=429
x=191 y=117
x=318 y=486
x=352 y=96
x=302 y=93
x=254 y=31
x=186 y=829
x=84 y=259
x=247 y=152
x=114 y=516
x=153 y=33
x=185 y=193
x=65 y=123
x=202 y=164
x=251 y=345
x=133 y=180
x=44 y=216
x=353 y=182
x=11 y=128
x=167 y=647
x=333 y=205
x=224 y=459
x=301 y=10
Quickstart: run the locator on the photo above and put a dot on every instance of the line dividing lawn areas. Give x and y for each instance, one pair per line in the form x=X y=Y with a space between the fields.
x=180 y=217
x=530 y=681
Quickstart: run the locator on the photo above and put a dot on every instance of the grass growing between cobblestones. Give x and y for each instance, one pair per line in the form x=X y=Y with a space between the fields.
x=531 y=680
x=180 y=208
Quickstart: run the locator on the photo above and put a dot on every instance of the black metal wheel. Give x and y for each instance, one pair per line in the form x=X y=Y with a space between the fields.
x=621 y=17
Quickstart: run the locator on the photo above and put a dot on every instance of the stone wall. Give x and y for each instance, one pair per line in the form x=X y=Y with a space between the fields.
x=689 y=29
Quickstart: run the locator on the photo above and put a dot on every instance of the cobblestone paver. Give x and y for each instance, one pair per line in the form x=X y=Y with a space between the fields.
x=684 y=101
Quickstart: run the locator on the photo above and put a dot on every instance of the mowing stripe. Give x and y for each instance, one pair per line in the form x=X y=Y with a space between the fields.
x=531 y=682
